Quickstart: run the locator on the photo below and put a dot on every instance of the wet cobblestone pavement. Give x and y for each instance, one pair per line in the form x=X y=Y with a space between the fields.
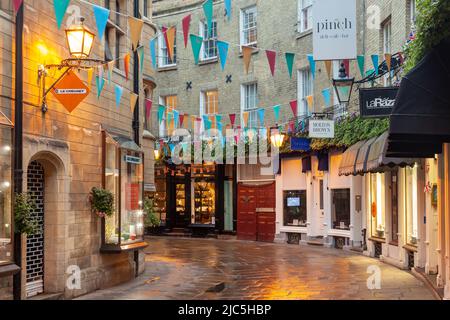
x=197 y=269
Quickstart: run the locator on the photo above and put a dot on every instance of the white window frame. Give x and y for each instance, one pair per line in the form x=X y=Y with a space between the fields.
x=302 y=94
x=163 y=57
x=163 y=129
x=243 y=12
x=304 y=7
x=202 y=28
x=253 y=116
x=203 y=105
x=387 y=46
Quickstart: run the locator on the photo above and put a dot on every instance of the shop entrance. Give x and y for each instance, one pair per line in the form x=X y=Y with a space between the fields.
x=180 y=208
x=256 y=212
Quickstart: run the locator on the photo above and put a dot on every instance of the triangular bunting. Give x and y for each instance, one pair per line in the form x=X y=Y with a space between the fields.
x=100 y=85
x=153 y=53
x=261 y=114
x=327 y=97
x=375 y=60
x=232 y=119
x=312 y=64
x=310 y=101
x=135 y=30
x=361 y=64
x=208 y=10
x=294 y=107
x=290 y=62
x=228 y=9
x=140 y=52
x=247 y=54
x=176 y=118
x=181 y=116
x=161 y=111
x=347 y=67
x=222 y=48
x=60 y=7
x=388 y=58
x=118 y=90
x=133 y=99
x=196 y=43
x=101 y=19
x=17 y=4
x=126 y=63
x=328 y=65
x=148 y=108
x=245 y=118
x=110 y=66
x=170 y=37
x=90 y=74
x=186 y=22
x=271 y=58
x=276 y=111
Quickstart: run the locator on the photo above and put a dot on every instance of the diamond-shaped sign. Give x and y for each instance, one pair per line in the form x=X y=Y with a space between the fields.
x=70 y=91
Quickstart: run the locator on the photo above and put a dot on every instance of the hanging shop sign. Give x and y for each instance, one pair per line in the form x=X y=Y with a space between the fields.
x=70 y=91
x=377 y=102
x=334 y=29
x=133 y=160
x=300 y=144
x=321 y=129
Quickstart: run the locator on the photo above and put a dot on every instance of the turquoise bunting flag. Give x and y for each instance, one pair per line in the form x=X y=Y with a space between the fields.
x=196 y=43
x=101 y=19
x=60 y=10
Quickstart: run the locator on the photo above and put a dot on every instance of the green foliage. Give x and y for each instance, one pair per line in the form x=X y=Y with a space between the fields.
x=24 y=222
x=102 y=202
x=433 y=25
x=151 y=220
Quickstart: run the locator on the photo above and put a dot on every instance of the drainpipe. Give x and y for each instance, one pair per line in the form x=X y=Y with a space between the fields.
x=18 y=144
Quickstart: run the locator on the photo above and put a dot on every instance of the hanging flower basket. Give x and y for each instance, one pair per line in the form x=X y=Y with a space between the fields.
x=102 y=202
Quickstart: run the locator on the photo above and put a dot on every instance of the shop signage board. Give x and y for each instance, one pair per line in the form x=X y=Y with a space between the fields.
x=133 y=160
x=300 y=144
x=70 y=91
x=334 y=29
x=377 y=102
x=321 y=129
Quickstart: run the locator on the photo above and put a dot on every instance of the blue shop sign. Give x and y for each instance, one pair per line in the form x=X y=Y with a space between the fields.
x=300 y=144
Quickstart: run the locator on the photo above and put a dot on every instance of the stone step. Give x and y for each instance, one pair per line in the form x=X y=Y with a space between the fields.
x=48 y=296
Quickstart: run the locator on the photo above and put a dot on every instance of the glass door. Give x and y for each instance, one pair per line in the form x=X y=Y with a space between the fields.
x=180 y=207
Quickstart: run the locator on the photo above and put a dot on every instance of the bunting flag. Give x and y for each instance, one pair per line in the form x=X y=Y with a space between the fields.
x=186 y=22
x=169 y=120
x=161 y=111
x=148 y=108
x=245 y=118
x=176 y=118
x=170 y=38
x=100 y=71
x=90 y=74
x=261 y=114
x=310 y=101
x=375 y=60
x=291 y=126
x=153 y=53
x=276 y=111
x=222 y=48
x=271 y=58
x=290 y=62
x=208 y=10
x=247 y=54
x=141 y=52
x=218 y=118
x=219 y=126
x=361 y=64
x=327 y=97
x=196 y=43
x=110 y=66
x=294 y=107
x=101 y=19
x=118 y=90
x=328 y=65
x=133 y=100
x=135 y=30
x=60 y=7
x=126 y=63
x=17 y=4
x=347 y=67
x=232 y=119
x=312 y=64
x=228 y=9
x=181 y=116
x=100 y=85
x=388 y=58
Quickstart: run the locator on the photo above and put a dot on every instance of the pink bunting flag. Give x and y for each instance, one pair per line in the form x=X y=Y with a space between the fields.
x=17 y=4
x=271 y=57
x=291 y=126
x=232 y=119
x=164 y=32
x=294 y=107
x=347 y=67
x=148 y=108
x=181 y=117
x=186 y=25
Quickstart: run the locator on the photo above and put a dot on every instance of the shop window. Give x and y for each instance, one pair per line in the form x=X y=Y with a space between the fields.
x=411 y=205
x=295 y=208
x=124 y=177
x=340 y=209
x=377 y=205
x=204 y=195
x=6 y=253
x=160 y=198
x=394 y=206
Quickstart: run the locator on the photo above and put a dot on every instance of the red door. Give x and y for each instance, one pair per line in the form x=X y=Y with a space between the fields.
x=256 y=212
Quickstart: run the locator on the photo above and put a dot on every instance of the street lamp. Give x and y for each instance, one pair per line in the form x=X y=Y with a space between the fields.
x=277 y=138
x=79 y=40
x=343 y=85
x=157 y=154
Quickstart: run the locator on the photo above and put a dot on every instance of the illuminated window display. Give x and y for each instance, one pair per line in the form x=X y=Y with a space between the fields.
x=377 y=201
x=204 y=196
x=160 y=197
x=340 y=208
x=124 y=177
x=411 y=199
x=6 y=253
x=295 y=208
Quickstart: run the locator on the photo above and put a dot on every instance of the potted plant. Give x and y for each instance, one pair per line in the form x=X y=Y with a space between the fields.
x=102 y=202
x=380 y=231
x=24 y=222
x=151 y=221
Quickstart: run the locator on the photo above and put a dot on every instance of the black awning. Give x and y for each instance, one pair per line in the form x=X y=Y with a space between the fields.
x=422 y=107
x=306 y=164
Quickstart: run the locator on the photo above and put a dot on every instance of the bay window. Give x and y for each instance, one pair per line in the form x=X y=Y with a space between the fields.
x=295 y=208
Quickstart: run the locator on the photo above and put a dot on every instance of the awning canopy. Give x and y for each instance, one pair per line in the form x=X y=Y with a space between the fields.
x=127 y=143
x=419 y=123
x=348 y=161
x=361 y=159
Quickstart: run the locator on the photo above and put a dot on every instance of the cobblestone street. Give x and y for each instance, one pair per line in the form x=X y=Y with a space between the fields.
x=178 y=268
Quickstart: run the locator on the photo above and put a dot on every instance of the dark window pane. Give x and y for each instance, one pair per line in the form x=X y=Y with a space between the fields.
x=295 y=208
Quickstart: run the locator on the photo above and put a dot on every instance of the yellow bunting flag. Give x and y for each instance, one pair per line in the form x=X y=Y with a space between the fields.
x=328 y=67
x=126 y=62
x=245 y=118
x=90 y=75
x=247 y=54
x=170 y=33
x=310 y=100
x=133 y=99
x=135 y=30
x=110 y=69
x=388 y=58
